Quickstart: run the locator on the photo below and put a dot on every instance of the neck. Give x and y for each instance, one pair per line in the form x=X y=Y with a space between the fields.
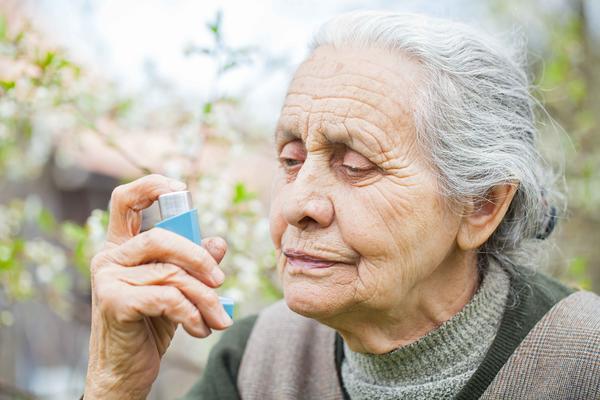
x=427 y=305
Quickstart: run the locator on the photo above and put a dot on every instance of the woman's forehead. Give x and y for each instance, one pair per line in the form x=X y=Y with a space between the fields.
x=350 y=94
x=372 y=61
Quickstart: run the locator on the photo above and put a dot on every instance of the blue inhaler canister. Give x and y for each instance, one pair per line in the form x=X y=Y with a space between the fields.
x=178 y=215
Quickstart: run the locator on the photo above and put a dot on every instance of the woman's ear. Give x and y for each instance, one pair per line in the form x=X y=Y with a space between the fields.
x=482 y=217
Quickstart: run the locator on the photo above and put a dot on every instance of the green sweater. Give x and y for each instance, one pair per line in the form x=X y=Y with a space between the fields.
x=439 y=363
x=531 y=296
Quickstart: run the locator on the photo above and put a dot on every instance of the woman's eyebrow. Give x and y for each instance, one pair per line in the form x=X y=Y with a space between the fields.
x=291 y=134
x=284 y=134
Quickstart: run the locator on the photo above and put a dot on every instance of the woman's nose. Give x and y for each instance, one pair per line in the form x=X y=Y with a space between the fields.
x=307 y=204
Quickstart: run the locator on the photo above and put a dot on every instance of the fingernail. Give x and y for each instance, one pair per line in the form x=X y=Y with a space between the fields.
x=218 y=276
x=177 y=185
x=211 y=245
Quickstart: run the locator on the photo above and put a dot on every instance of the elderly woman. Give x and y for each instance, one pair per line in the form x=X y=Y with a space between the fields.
x=407 y=210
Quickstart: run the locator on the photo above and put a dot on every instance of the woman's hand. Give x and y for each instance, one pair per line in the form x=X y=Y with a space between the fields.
x=143 y=286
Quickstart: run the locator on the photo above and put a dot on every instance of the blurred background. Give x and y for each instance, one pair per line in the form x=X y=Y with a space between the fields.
x=94 y=93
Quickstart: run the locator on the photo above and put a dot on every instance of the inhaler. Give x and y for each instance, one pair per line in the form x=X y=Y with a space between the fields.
x=178 y=215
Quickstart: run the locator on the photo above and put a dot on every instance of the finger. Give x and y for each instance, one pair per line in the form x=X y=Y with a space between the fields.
x=200 y=295
x=157 y=301
x=159 y=244
x=216 y=246
x=128 y=200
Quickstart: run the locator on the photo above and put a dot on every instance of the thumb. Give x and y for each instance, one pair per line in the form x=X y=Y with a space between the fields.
x=216 y=246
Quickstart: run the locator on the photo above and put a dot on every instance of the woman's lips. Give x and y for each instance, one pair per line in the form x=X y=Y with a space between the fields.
x=298 y=258
x=309 y=263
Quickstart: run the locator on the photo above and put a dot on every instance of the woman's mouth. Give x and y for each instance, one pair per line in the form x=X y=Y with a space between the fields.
x=304 y=263
x=300 y=259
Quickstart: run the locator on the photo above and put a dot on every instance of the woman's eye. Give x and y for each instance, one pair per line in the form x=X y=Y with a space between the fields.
x=289 y=162
x=356 y=165
x=292 y=155
x=355 y=171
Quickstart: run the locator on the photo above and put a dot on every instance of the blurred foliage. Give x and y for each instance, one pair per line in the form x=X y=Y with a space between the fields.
x=39 y=267
x=226 y=58
x=566 y=81
x=39 y=90
x=44 y=93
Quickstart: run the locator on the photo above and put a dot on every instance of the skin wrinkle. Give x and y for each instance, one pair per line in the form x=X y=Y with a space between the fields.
x=380 y=85
x=376 y=157
x=358 y=101
x=371 y=107
x=402 y=273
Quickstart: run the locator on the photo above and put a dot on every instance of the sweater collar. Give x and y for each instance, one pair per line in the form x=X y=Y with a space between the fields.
x=455 y=347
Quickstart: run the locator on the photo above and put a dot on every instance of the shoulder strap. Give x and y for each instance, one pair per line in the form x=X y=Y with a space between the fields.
x=559 y=358
x=288 y=356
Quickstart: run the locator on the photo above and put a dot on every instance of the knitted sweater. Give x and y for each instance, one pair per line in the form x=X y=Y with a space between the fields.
x=281 y=355
x=440 y=363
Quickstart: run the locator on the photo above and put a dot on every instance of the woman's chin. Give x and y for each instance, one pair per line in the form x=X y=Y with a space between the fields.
x=311 y=302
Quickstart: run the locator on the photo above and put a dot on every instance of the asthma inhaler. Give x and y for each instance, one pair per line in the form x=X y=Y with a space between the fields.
x=178 y=215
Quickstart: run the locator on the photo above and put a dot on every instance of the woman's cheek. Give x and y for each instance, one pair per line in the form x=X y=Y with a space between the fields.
x=362 y=223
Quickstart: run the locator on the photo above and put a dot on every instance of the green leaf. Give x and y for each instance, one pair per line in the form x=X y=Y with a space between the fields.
x=578 y=266
x=241 y=194
x=19 y=37
x=25 y=128
x=7 y=85
x=578 y=271
x=577 y=90
x=556 y=72
x=6 y=256
x=229 y=65
x=80 y=254
x=3 y=27
x=207 y=109
x=123 y=107
x=73 y=232
x=215 y=27
x=104 y=218
x=9 y=253
x=46 y=221
x=47 y=60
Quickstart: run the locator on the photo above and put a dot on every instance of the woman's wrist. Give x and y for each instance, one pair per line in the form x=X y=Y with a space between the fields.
x=97 y=392
x=102 y=386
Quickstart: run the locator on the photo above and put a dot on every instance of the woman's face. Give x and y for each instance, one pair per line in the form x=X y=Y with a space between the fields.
x=352 y=187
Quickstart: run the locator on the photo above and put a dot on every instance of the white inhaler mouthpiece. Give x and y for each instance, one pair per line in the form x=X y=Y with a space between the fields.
x=172 y=204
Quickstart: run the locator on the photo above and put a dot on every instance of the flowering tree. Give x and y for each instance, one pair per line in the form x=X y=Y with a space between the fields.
x=45 y=97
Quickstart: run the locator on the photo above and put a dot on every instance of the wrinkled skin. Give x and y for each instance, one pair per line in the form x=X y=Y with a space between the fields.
x=143 y=286
x=353 y=187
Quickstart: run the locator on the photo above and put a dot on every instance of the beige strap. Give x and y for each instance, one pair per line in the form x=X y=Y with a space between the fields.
x=288 y=357
x=559 y=358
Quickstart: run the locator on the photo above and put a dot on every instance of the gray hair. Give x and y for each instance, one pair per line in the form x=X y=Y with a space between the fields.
x=474 y=117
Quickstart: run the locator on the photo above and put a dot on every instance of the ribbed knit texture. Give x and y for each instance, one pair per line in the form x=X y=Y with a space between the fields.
x=440 y=363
